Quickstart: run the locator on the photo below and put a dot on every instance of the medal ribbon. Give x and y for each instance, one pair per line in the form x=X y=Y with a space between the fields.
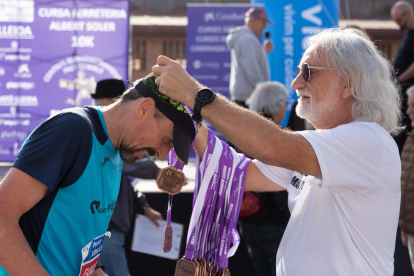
x=174 y=162
x=216 y=203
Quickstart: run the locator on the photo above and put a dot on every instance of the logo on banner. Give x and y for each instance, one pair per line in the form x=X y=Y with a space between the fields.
x=23 y=71
x=209 y=16
x=220 y=16
x=197 y=64
x=16 y=31
x=85 y=86
x=2 y=71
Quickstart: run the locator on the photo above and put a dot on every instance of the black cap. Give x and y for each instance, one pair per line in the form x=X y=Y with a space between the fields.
x=109 y=88
x=184 y=128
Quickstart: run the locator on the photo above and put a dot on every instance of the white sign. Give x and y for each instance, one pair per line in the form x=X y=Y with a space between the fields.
x=148 y=238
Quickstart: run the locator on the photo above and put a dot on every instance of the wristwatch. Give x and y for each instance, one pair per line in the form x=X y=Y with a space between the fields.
x=203 y=97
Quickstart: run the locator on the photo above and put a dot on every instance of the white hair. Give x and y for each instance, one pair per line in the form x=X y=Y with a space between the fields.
x=268 y=97
x=366 y=71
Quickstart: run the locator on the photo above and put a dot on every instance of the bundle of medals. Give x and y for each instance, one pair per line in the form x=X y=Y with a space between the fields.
x=218 y=194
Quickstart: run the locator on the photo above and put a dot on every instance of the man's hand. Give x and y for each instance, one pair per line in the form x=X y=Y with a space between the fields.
x=268 y=46
x=99 y=272
x=153 y=215
x=175 y=82
x=404 y=238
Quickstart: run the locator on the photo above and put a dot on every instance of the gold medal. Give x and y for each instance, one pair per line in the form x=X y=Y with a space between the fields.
x=170 y=180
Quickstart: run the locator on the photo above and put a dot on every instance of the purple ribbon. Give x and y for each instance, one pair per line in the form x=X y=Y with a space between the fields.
x=173 y=161
x=217 y=199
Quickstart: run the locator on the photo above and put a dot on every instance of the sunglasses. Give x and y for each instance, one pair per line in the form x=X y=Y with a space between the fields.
x=305 y=70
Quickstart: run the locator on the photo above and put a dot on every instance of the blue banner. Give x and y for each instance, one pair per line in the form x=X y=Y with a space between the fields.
x=294 y=23
x=52 y=54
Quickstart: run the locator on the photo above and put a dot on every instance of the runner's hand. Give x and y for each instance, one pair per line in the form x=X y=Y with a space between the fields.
x=153 y=215
x=99 y=272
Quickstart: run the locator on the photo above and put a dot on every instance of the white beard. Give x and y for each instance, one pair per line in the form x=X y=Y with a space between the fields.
x=315 y=112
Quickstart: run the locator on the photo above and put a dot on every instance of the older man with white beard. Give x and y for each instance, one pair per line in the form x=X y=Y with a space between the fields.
x=344 y=178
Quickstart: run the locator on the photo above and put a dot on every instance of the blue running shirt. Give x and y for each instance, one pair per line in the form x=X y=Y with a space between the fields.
x=72 y=155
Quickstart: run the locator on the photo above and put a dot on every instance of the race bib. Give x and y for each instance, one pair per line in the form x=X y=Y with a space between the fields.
x=90 y=255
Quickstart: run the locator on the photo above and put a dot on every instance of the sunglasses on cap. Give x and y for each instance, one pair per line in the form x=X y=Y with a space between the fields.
x=305 y=70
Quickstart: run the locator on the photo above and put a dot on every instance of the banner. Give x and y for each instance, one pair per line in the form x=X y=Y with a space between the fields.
x=294 y=23
x=52 y=54
x=208 y=57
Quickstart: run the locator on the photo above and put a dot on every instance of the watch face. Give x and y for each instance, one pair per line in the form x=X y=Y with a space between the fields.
x=205 y=95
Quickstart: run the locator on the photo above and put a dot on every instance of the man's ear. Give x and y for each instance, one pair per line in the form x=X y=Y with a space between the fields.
x=347 y=92
x=145 y=108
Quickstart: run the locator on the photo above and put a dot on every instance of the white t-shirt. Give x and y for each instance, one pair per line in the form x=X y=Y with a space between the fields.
x=346 y=222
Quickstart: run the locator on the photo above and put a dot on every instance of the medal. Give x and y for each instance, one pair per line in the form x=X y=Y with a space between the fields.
x=185 y=268
x=226 y=272
x=167 y=241
x=170 y=180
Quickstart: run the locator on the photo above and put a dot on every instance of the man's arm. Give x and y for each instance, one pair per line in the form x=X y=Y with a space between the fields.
x=255 y=179
x=251 y=133
x=19 y=192
x=407 y=74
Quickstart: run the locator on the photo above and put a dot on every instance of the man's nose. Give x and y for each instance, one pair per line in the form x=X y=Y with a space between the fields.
x=298 y=82
x=164 y=151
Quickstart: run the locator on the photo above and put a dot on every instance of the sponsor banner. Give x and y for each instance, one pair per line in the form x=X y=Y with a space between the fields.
x=52 y=54
x=294 y=23
x=208 y=57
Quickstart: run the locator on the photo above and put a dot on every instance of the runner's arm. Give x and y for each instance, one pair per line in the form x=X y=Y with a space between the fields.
x=19 y=192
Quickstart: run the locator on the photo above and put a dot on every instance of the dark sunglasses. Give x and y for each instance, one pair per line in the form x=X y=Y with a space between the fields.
x=305 y=70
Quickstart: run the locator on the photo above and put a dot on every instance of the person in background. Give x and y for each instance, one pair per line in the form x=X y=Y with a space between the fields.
x=264 y=216
x=407 y=184
x=402 y=14
x=113 y=253
x=249 y=64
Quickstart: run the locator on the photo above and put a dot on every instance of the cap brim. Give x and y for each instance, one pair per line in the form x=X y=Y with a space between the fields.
x=269 y=21
x=182 y=144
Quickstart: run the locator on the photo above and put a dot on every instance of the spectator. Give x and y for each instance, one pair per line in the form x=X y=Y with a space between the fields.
x=264 y=216
x=407 y=184
x=249 y=64
x=402 y=14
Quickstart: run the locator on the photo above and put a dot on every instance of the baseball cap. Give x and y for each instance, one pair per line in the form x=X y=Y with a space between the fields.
x=109 y=88
x=259 y=13
x=184 y=128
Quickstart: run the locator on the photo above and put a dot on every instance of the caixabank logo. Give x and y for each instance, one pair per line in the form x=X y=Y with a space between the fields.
x=96 y=204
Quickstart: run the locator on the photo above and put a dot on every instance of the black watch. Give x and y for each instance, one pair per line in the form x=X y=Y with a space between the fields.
x=204 y=97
